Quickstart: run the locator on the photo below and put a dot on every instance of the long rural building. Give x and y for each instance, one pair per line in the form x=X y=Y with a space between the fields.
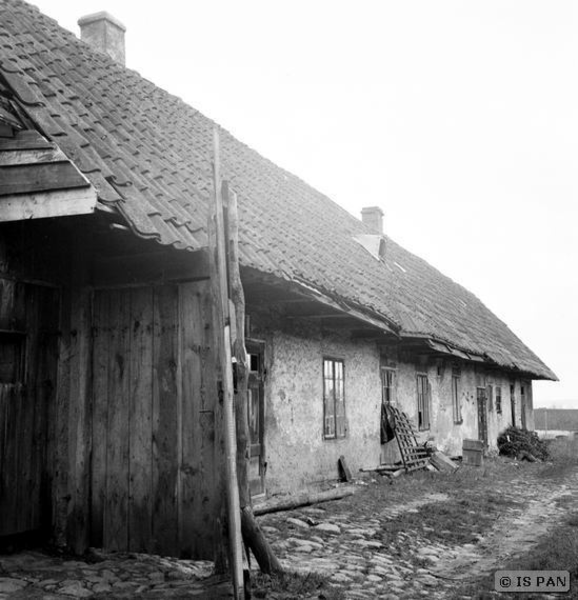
x=108 y=386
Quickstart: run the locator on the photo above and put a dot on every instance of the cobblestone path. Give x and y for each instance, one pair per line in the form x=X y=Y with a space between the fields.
x=34 y=575
x=410 y=566
x=345 y=541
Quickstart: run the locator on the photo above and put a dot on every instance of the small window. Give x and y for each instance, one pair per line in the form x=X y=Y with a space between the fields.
x=254 y=363
x=423 y=403
x=499 y=400
x=456 y=400
x=388 y=395
x=513 y=404
x=11 y=357
x=490 y=395
x=333 y=399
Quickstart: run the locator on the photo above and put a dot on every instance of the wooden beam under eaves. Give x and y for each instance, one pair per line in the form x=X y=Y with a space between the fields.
x=44 y=205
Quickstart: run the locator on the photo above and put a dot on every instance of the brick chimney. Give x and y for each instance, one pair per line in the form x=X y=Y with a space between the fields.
x=104 y=33
x=372 y=217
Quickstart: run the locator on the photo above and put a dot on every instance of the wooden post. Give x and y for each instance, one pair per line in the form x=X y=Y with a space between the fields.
x=252 y=534
x=223 y=329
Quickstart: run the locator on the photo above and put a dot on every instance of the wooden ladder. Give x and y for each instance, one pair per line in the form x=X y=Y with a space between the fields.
x=413 y=455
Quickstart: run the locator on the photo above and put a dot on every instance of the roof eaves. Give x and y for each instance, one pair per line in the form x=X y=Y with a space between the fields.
x=379 y=321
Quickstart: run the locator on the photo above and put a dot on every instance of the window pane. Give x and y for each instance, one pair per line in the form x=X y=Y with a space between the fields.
x=333 y=398
x=423 y=412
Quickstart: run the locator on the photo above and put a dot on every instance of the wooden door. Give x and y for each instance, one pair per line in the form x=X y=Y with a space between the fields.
x=255 y=418
x=153 y=475
x=523 y=406
x=28 y=364
x=482 y=416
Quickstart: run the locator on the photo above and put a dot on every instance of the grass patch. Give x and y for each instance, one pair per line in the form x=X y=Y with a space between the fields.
x=455 y=521
x=556 y=552
x=563 y=458
x=294 y=586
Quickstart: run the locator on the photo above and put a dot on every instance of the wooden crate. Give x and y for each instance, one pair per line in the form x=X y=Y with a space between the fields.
x=473 y=452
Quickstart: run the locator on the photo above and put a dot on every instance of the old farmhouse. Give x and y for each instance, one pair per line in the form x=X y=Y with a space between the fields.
x=107 y=379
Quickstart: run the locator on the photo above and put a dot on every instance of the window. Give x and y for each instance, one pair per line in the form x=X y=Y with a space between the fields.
x=513 y=404
x=333 y=399
x=499 y=400
x=456 y=400
x=388 y=386
x=423 y=403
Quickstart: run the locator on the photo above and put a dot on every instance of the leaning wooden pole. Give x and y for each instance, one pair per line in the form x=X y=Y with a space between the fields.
x=225 y=359
x=252 y=534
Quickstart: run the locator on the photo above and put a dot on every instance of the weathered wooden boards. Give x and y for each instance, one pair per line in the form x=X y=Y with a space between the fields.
x=344 y=472
x=442 y=463
x=37 y=180
x=152 y=470
x=413 y=456
x=292 y=502
x=27 y=385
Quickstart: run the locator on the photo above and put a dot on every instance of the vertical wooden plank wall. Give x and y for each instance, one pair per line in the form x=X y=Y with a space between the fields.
x=140 y=420
x=152 y=469
x=29 y=315
x=166 y=441
x=198 y=471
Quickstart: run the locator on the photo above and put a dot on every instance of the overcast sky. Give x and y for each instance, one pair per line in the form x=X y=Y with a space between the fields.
x=458 y=118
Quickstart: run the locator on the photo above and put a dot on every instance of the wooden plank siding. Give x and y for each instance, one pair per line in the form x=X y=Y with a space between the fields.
x=166 y=416
x=152 y=465
x=29 y=315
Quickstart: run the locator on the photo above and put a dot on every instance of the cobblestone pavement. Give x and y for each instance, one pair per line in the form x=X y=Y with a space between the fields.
x=344 y=546
x=336 y=539
x=35 y=575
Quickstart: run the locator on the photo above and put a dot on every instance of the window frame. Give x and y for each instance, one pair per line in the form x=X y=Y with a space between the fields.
x=334 y=397
x=498 y=397
x=456 y=399
x=388 y=386
x=423 y=402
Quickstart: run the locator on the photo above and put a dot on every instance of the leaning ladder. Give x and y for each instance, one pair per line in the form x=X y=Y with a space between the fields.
x=413 y=455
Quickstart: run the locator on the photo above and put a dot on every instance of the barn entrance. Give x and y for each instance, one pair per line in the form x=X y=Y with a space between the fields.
x=28 y=372
x=152 y=470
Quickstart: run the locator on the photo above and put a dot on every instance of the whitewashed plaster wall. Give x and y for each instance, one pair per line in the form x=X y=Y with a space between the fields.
x=296 y=453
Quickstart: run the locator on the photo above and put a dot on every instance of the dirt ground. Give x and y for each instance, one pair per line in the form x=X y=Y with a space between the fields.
x=424 y=535
x=430 y=535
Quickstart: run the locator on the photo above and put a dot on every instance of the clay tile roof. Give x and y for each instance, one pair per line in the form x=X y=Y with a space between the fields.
x=150 y=154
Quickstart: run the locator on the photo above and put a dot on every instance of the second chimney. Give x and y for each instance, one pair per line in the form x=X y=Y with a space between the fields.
x=104 y=33
x=372 y=217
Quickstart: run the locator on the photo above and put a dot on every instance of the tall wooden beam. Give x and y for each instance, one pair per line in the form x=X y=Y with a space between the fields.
x=219 y=273
x=252 y=533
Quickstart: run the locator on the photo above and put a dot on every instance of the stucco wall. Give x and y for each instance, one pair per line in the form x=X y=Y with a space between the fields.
x=297 y=455
x=444 y=432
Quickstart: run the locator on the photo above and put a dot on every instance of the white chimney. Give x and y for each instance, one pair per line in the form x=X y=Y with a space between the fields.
x=104 y=33
x=372 y=217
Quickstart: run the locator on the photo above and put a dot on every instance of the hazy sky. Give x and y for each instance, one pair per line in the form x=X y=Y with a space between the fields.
x=458 y=118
